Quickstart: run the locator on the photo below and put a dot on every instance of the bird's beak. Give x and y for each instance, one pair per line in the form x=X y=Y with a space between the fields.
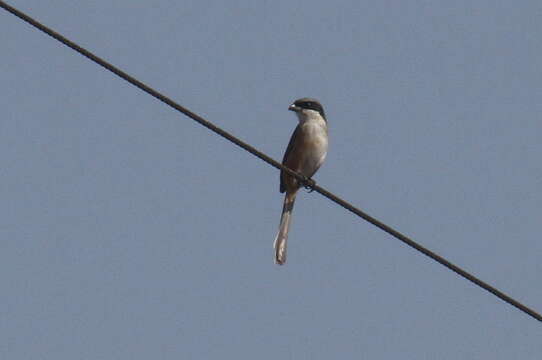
x=293 y=108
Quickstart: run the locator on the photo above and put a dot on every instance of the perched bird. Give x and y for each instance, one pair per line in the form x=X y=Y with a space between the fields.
x=305 y=153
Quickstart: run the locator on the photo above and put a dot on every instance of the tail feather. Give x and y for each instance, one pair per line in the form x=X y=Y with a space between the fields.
x=282 y=235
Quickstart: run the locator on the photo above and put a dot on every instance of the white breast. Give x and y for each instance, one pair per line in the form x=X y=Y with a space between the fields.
x=315 y=131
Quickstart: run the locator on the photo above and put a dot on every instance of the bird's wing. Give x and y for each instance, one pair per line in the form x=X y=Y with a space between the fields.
x=286 y=154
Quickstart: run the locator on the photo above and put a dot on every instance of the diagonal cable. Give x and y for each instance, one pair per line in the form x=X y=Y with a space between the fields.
x=307 y=182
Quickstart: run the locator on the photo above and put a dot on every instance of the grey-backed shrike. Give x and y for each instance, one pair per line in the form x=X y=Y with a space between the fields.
x=305 y=153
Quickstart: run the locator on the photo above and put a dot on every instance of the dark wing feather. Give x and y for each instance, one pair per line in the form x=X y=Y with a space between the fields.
x=288 y=151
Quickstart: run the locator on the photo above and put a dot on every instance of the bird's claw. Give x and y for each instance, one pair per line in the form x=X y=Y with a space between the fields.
x=309 y=184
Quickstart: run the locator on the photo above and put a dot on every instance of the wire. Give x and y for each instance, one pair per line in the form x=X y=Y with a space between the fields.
x=306 y=182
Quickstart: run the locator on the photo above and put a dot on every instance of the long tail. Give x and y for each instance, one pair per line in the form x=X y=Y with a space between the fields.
x=282 y=236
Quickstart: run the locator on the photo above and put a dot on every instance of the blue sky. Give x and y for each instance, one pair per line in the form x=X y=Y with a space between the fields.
x=130 y=232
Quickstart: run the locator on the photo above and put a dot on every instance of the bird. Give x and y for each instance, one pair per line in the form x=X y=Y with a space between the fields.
x=305 y=154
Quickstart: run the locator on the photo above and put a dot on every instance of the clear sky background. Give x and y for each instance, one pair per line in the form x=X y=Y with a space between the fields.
x=130 y=232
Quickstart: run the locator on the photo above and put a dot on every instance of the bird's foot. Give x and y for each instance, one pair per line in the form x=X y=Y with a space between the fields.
x=309 y=184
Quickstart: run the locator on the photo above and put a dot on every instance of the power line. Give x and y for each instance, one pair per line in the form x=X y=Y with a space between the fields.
x=307 y=182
